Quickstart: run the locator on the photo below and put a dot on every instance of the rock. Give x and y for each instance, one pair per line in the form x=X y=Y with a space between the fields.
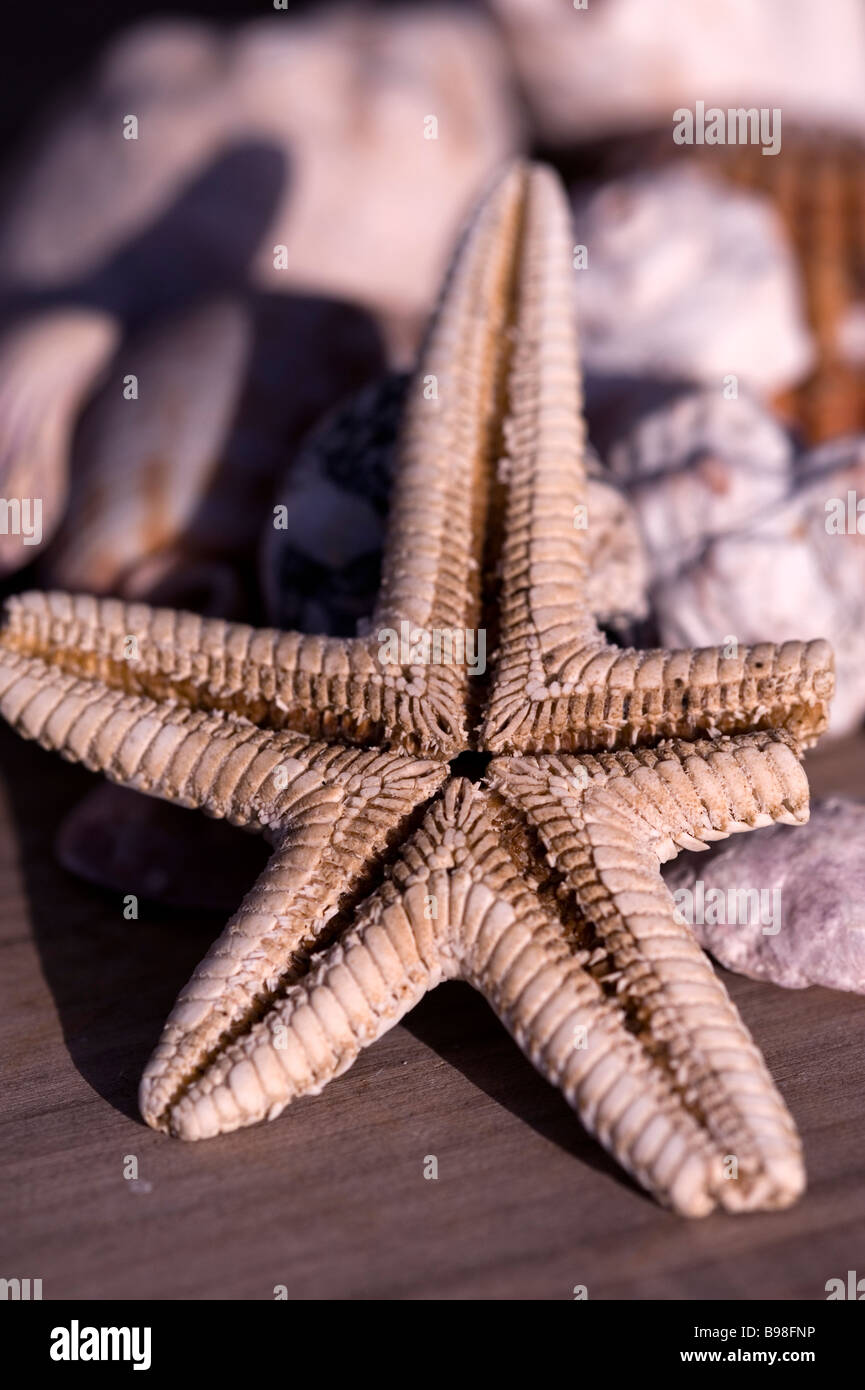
x=391 y=124
x=687 y=278
x=624 y=65
x=811 y=879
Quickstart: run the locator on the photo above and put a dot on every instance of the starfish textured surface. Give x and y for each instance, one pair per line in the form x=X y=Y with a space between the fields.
x=539 y=883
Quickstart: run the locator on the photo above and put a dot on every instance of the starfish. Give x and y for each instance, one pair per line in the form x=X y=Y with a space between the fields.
x=432 y=822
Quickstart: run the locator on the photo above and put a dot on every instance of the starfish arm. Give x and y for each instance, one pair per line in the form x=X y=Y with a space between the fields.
x=594 y=695
x=687 y=793
x=558 y=1015
x=499 y=938
x=430 y=573
x=312 y=1030
x=325 y=687
x=558 y=685
x=543 y=559
x=215 y=762
x=338 y=835
x=604 y=845
x=495 y=406
x=321 y=686
x=218 y=763
x=433 y=561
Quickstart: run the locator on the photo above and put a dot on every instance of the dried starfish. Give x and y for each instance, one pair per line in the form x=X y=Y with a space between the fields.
x=391 y=869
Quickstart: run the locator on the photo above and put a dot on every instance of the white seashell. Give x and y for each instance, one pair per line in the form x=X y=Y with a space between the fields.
x=143 y=466
x=48 y=365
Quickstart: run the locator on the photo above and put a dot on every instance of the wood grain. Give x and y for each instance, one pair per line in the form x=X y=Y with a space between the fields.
x=330 y=1200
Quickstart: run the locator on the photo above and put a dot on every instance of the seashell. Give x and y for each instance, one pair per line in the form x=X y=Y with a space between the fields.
x=786 y=573
x=808 y=928
x=698 y=467
x=688 y=278
x=320 y=568
x=170 y=490
x=787 y=53
x=48 y=365
x=143 y=465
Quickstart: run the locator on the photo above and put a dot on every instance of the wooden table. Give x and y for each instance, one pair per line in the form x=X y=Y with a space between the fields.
x=331 y=1200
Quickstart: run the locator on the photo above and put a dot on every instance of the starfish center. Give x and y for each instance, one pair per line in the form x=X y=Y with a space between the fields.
x=470 y=764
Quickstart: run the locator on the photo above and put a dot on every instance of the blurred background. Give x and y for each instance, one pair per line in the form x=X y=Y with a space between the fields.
x=41 y=57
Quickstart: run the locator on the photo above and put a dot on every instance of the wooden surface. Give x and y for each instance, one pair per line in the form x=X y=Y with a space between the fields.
x=330 y=1200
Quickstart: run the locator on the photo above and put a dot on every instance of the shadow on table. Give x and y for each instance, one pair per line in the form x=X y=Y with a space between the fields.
x=457 y=1024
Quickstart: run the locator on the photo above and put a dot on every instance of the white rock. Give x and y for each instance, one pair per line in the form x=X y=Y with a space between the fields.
x=688 y=278
x=624 y=65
